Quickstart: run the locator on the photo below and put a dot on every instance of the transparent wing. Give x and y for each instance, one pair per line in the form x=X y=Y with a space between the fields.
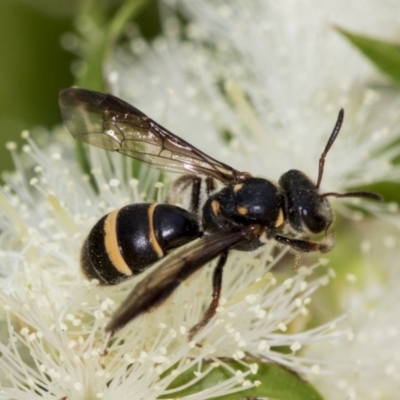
x=167 y=276
x=110 y=123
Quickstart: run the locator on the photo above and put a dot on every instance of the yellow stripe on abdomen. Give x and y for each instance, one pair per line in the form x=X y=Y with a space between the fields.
x=153 y=240
x=111 y=244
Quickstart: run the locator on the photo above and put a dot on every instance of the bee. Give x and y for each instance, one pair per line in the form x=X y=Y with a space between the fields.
x=242 y=215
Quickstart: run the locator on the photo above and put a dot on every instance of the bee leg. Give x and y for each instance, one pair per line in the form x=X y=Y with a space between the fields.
x=304 y=246
x=195 y=195
x=180 y=185
x=210 y=185
x=216 y=294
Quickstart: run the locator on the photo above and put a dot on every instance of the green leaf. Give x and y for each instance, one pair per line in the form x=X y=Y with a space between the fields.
x=384 y=55
x=277 y=383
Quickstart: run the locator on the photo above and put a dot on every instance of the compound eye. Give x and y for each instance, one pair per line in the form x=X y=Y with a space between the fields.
x=318 y=216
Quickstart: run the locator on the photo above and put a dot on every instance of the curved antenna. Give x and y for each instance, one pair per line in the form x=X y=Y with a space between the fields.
x=332 y=138
x=368 y=195
x=335 y=132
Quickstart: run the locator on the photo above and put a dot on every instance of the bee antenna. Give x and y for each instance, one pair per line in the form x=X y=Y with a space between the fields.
x=367 y=195
x=332 y=138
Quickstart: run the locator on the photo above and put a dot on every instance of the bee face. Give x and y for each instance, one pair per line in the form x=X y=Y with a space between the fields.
x=305 y=209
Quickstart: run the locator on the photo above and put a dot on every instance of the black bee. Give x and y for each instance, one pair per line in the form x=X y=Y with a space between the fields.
x=243 y=215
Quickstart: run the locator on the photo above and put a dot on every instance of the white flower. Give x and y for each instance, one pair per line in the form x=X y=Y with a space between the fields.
x=273 y=75
x=257 y=86
x=54 y=345
x=368 y=365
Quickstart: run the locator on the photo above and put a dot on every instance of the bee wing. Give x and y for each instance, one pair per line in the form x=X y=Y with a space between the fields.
x=167 y=276
x=110 y=123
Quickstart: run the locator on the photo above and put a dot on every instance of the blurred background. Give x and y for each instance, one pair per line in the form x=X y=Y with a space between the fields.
x=34 y=66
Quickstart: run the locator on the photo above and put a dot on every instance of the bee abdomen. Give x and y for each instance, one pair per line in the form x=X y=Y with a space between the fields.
x=128 y=240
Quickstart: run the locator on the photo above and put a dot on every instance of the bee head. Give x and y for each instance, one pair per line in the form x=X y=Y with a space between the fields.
x=305 y=209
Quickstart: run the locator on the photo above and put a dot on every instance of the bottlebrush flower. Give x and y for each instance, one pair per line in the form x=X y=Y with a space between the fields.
x=54 y=344
x=257 y=86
